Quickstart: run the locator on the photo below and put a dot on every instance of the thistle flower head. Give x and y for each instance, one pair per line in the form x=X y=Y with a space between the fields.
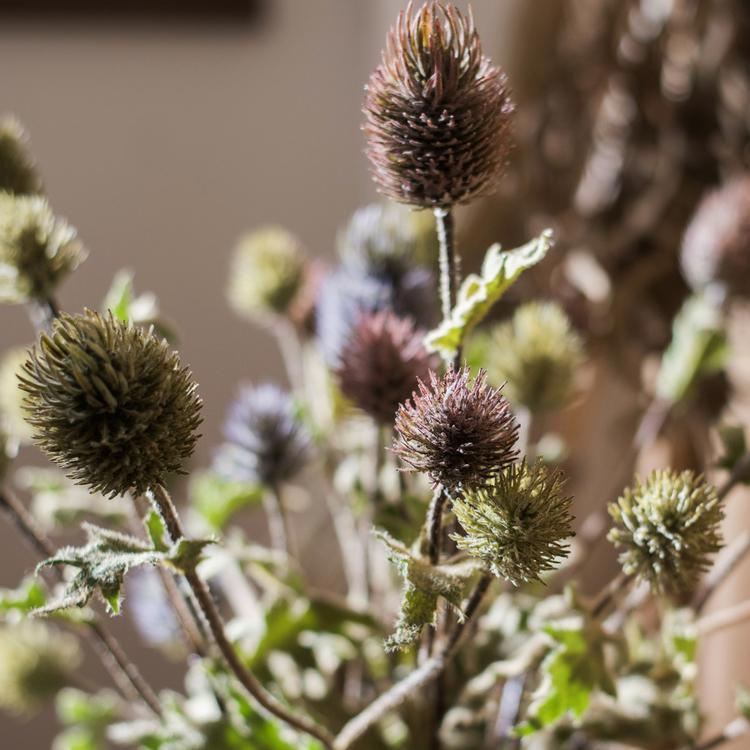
x=668 y=527
x=17 y=169
x=350 y=291
x=386 y=238
x=37 y=662
x=460 y=433
x=536 y=354
x=37 y=249
x=381 y=363
x=266 y=272
x=516 y=524
x=716 y=246
x=437 y=111
x=265 y=441
x=110 y=403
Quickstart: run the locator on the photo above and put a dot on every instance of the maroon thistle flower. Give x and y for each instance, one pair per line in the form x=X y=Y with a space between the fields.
x=461 y=434
x=437 y=111
x=716 y=246
x=381 y=364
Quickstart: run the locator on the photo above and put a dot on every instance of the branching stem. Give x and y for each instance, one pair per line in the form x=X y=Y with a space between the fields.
x=420 y=677
x=165 y=507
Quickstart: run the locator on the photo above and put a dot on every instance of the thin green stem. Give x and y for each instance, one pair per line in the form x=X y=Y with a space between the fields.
x=269 y=703
x=420 y=677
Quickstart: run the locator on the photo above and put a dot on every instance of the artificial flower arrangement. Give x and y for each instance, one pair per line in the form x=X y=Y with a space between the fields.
x=460 y=625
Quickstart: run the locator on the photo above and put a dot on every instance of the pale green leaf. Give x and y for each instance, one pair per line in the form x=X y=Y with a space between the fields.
x=698 y=347
x=479 y=292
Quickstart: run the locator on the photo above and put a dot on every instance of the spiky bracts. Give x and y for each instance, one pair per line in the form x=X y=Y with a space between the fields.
x=266 y=273
x=536 y=354
x=518 y=523
x=716 y=246
x=110 y=403
x=460 y=432
x=437 y=111
x=669 y=528
x=265 y=441
x=17 y=169
x=37 y=249
x=381 y=363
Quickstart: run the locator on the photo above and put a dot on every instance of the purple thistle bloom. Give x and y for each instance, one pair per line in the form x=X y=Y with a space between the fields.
x=265 y=441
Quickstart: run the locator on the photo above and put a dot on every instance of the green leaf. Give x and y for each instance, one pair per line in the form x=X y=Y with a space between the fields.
x=698 y=347
x=479 y=292
x=106 y=558
x=185 y=554
x=30 y=595
x=119 y=298
x=423 y=585
x=743 y=701
x=156 y=530
x=734 y=444
x=217 y=499
x=573 y=669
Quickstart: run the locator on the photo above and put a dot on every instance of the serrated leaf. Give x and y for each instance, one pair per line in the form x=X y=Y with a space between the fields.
x=479 y=292
x=185 y=554
x=217 y=499
x=104 y=561
x=424 y=584
x=698 y=347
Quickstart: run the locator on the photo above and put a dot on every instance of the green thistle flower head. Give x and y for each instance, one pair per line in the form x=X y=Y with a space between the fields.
x=37 y=249
x=536 y=354
x=17 y=169
x=267 y=271
x=669 y=526
x=37 y=662
x=110 y=403
x=518 y=523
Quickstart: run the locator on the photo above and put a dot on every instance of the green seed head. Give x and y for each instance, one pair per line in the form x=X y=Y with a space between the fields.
x=37 y=249
x=537 y=355
x=110 y=403
x=669 y=528
x=266 y=272
x=518 y=523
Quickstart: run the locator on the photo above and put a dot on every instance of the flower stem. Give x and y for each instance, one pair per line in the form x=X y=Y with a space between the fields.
x=724 y=618
x=448 y=266
x=606 y=595
x=278 y=521
x=435 y=523
x=420 y=677
x=165 y=507
x=126 y=676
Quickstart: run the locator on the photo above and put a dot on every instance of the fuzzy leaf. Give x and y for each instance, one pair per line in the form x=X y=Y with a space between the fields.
x=104 y=561
x=698 y=347
x=571 y=672
x=479 y=292
x=423 y=585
